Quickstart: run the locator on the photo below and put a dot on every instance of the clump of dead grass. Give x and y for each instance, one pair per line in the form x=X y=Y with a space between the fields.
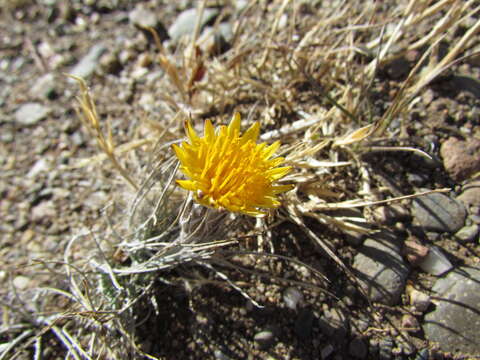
x=306 y=72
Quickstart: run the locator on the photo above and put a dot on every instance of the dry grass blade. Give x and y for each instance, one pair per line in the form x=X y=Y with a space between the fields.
x=13 y=344
x=89 y=117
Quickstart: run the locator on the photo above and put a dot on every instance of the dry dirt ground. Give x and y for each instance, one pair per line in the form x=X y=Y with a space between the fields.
x=275 y=303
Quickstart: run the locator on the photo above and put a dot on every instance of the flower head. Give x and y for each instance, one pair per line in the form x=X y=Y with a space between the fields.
x=231 y=171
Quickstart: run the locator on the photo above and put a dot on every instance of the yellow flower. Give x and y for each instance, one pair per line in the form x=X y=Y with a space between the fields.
x=230 y=171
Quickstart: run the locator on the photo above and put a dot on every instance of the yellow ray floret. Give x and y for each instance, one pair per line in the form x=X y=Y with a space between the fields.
x=230 y=171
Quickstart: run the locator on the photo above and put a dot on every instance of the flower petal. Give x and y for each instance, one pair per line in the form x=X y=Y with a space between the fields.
x=187 y=185
x=192 y=135
x=234 y=126
x=251 y=134
x=268 y=152
x=209 y=132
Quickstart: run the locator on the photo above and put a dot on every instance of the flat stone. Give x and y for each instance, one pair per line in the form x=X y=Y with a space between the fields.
x=29 y=114
x=461 y=158
x=438 y=212
x=88 y=64
x=185 y=22
x=455 y=322
x=380 y=268
x=435 y=263
x=468 y=233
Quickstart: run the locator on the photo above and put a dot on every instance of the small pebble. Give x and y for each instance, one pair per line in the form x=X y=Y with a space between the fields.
x=292 y=297
x=21 y=282
x=89 y=63
x=44 y=87
x=143 y=17
x=435 y=263
x=410 y=323
x=414 y=251
x=185 y=22
x=467 y=233
x=419 y=300
x=264 y=339
x=29 y=114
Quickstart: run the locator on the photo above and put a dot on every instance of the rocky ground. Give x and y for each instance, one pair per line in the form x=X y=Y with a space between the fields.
x=417 y=288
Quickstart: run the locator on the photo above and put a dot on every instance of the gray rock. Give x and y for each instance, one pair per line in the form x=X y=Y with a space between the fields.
x=455 y=322
x=357 y=348
x=419 y=300
x=438 y=212
x=185 y=22
x=398 y=68
x=31 y=113
x=88 y=64
x=467 y=233
x=353 y=237
x=216 y=41
x=143 y=18
x=44 y=87
x=416 y=179
x=380 y=268
x=292 y=297
x=264 y=339
x=435 y=263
